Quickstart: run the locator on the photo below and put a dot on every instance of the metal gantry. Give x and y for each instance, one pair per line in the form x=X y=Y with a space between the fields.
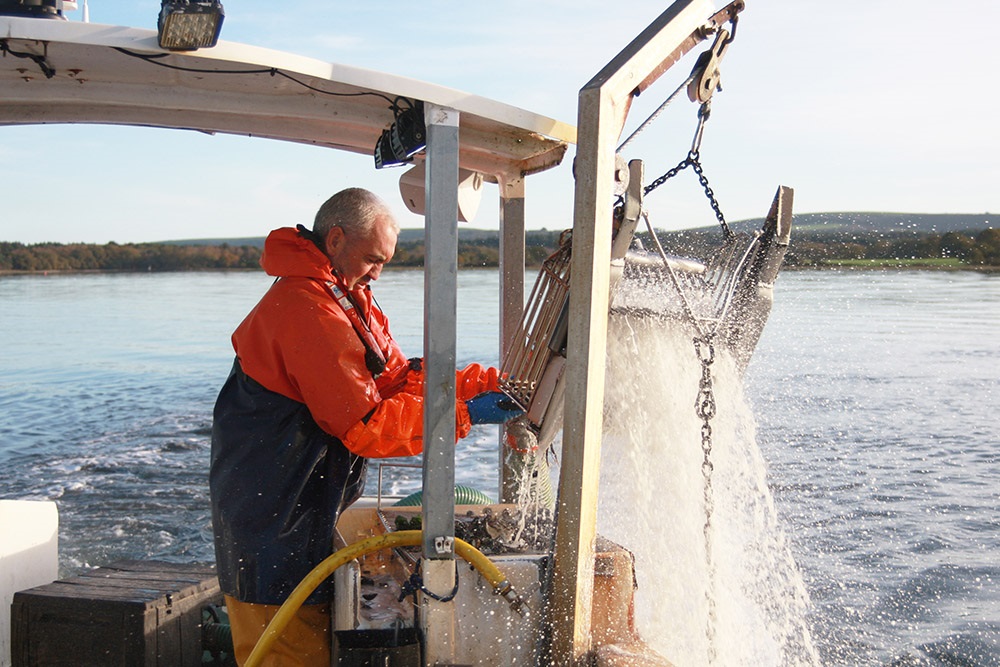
x=603 y=107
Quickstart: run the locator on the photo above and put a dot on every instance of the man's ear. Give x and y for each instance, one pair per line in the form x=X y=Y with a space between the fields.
x=334 y=240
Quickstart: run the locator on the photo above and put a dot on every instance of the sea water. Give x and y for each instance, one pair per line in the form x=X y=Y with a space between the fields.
x=717 y=583
x=872 y=400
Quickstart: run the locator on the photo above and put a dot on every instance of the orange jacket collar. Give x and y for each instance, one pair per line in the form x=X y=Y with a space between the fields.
x=287 y=253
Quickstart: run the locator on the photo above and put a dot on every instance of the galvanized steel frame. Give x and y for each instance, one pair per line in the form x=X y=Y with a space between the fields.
x=603 y=107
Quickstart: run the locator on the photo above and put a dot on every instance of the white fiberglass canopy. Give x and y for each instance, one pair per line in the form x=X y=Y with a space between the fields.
x=54 y=71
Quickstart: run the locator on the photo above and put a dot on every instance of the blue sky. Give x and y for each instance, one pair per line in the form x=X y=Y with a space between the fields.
x=876 y=105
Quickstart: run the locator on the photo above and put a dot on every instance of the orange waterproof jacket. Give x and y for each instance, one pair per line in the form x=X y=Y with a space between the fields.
x=299 y=343
x=296 y=420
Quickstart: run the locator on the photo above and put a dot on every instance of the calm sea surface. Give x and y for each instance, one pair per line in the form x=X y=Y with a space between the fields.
x=876 y=395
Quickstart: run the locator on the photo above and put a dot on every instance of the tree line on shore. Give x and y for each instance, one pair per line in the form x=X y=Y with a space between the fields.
x=972 y=249
x=820 y=248
x=187 y=256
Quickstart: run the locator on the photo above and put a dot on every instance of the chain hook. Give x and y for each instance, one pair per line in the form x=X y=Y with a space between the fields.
x=704 y=111
x=732 y=36
x=706 y=75
x=704 y=81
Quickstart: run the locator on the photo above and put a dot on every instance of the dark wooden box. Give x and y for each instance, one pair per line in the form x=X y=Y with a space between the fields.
x=128 y=614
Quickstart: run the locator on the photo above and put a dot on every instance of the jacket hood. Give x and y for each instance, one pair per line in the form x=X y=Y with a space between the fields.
x=289 y=254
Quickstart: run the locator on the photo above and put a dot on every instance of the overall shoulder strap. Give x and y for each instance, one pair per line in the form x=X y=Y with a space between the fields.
x=374 y=356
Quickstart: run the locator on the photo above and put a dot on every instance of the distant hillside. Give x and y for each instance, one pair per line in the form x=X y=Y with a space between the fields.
x=867 y=240
x=476 y=248
x=251 y=241
x=886 y=223
x=405 y=236
x=818 y=239
x=804 y=225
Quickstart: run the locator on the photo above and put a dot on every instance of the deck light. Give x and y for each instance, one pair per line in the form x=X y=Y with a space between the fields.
x=384 y=155
x=43 y=9
x=406 y=137
x=186 y=25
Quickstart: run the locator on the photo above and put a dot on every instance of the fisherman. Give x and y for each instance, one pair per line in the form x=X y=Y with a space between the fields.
x=318 y=387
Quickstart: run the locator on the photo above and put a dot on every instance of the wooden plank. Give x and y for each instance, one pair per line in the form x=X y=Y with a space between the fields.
x=72 y=635
x=572 y=583
x=512 y=260
x=128 y=614
x=603 y=107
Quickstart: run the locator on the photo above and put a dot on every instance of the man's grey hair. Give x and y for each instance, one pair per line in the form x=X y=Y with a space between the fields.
x=353 y=210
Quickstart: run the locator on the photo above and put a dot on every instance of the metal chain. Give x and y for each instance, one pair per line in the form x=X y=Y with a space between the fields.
x=705 y=408
x=681 y=166
x=693 y=160
x=696 y=165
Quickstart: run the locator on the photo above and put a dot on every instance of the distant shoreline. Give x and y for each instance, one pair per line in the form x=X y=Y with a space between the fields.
x=977 y=268
x=830 y=265
x=972 y=250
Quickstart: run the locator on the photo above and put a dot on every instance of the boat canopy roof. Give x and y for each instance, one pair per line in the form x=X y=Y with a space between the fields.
x=56 y=71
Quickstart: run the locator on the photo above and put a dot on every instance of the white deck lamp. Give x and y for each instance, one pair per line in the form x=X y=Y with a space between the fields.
x=470 y=191
x=187 y=25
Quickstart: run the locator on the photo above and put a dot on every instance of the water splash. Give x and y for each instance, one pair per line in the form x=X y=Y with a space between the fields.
x=652 y=502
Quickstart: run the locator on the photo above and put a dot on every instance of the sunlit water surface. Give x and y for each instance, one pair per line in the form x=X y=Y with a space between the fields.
x=856 y=483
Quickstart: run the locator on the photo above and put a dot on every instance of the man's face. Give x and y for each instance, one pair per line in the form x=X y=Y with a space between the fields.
x=359 y=258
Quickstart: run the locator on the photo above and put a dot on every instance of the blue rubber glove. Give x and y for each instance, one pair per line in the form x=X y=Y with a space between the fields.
x=492 y=407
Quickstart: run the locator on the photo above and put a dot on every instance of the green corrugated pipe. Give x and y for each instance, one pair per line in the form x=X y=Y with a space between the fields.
x=464 y=495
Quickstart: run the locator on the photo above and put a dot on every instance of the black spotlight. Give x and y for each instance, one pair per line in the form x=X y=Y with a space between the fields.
x=406 y=137
x=384 y=156
x=42 y=9
x=186 y=25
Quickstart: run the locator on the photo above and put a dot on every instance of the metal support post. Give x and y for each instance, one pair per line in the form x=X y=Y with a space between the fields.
x=440 y=300
x=512 y=259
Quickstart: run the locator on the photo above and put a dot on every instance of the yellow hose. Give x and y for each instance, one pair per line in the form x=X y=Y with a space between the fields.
x=402 y=538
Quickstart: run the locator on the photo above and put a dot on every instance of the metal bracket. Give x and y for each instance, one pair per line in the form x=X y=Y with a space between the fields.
x=706 y=71
x=631 y=210
x=444 y=545
x=621 y=175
